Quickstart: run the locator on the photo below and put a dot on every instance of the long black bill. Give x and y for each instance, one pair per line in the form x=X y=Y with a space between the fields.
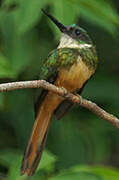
x=58 y=24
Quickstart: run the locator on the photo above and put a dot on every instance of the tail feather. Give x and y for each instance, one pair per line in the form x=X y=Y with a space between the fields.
x=38 y=137
x=35 y=146
x=38 y=157
x=30 y=171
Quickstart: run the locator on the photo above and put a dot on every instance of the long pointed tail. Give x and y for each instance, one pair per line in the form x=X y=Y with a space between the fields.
x=38 y=137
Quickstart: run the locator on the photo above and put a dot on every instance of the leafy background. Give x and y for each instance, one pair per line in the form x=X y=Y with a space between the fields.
x=81 y=146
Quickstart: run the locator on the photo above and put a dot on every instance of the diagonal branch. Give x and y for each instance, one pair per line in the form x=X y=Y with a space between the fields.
x=62 y=92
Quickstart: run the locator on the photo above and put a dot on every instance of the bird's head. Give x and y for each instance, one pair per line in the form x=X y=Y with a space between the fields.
x=73 y=36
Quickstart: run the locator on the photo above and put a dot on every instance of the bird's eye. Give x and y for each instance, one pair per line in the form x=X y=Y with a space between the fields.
x=77 y=32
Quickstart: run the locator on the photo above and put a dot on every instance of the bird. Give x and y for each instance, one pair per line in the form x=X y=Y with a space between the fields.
x=69 y=66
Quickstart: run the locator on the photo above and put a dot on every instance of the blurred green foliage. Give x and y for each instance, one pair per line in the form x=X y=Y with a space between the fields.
x=82 y=146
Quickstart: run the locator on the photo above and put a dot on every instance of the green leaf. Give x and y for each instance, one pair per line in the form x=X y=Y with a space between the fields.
x=87 y=173
x=76 y=176
x=28 y=14
x=63 y=9
x=14 y=171
x=8 y=2
x=7 y=157
x=104 y=172
x=47 y=162
x=6 y=70
x=20 y=50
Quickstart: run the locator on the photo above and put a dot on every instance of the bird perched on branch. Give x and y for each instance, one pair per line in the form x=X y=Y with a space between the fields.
x=69 y=66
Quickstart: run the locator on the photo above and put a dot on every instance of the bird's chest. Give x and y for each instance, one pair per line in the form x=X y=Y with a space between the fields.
x=74 y=77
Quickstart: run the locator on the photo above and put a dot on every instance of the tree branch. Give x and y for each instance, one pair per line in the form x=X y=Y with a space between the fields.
x=62 y=92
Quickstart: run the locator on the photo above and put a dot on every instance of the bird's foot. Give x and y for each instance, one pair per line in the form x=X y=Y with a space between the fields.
x=79 y=97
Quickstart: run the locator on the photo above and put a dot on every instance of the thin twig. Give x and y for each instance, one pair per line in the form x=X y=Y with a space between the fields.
x=62 y=92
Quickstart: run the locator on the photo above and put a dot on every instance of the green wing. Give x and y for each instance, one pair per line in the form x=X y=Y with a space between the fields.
x=64 y=57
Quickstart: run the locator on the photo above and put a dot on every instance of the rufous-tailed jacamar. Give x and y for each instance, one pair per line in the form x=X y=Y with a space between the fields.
x=70 y=66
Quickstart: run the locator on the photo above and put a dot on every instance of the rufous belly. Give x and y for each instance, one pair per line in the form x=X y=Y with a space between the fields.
x=75 y=77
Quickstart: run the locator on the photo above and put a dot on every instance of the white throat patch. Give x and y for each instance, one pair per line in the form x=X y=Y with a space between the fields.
x=68 y=42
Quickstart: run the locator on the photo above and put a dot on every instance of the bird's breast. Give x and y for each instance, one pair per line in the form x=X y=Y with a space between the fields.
x=74 y=77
